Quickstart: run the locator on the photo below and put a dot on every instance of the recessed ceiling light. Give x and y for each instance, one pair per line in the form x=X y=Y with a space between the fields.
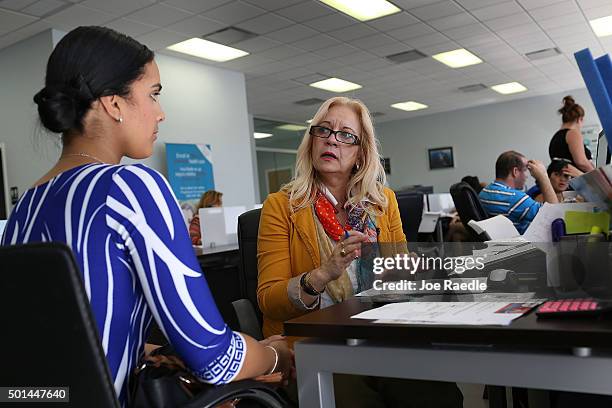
x=208 y=50
x=457 y=58
x=335 y=85
x=509 y=88
x=409 y=106
x=258 y=135
x=291 y=127
x=363 y=10
x=602 y=26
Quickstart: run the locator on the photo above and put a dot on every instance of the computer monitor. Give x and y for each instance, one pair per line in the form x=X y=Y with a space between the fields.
x=603 y=151
x=440 y=202
x=219 y=225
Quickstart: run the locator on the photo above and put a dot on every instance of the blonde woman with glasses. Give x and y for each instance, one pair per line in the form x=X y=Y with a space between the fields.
x=310 y=238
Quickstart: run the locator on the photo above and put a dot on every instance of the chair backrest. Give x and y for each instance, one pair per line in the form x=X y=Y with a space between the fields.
x=49 y=336
x=468 y=205
x=248 y=228
x=411 y=212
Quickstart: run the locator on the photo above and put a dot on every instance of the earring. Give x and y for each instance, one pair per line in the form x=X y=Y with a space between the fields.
x=357 y=166
x=119 y=119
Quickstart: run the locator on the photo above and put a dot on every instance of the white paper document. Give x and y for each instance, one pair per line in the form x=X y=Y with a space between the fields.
x=498 y=228
x=447 y=313
x=539 y=229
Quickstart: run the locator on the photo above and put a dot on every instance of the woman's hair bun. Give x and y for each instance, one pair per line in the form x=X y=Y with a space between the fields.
x=62 y=107
x=56 y=108
x=568 y=101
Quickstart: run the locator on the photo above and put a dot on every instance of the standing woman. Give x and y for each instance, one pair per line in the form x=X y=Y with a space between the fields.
x=567 y=143
x=123 y=223
x=310 y=235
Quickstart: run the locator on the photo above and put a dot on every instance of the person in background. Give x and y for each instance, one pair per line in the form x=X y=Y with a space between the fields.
x=559 y=176
x=568 y=142
x=122 y=222
x=209 y=199
x=505 y=195
x=456 y=230
x=310 y=237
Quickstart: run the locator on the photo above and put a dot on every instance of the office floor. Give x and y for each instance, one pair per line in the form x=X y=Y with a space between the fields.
x=472 y=396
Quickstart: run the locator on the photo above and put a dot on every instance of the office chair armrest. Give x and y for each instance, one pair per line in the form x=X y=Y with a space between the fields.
x=247 y=319
x=250 y=390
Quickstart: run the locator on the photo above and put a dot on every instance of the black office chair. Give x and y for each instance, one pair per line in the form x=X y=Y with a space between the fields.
x=50 y=338
x=469 y=207
x=411 y=212
x=250 y=318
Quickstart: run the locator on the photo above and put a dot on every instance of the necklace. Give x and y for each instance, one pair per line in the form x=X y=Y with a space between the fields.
x=81 y=154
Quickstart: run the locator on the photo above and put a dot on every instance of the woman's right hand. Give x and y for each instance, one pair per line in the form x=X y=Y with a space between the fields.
x=339 y=259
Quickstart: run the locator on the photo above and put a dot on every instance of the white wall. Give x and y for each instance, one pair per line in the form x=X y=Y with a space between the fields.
x=478 y=135
x=203 y=104
x=30 y=150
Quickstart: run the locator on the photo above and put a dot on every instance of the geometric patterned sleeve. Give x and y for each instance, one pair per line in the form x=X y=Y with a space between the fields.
x=143 y=211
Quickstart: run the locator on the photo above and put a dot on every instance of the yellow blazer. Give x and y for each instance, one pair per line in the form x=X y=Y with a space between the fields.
x=287 y=246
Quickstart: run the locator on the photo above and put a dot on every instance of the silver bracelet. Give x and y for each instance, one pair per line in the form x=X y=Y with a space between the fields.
x=275 y=359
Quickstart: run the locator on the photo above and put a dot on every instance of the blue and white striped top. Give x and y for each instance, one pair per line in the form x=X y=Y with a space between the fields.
x=498 y=198
x=128 y=236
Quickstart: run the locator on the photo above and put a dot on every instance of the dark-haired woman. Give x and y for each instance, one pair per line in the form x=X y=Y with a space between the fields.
x=567 y=143
x=123 y=222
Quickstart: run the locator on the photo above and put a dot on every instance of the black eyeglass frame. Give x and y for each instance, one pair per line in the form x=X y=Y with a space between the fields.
x=335 y=133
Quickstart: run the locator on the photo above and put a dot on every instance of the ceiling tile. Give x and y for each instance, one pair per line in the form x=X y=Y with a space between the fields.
x=265 y=23
x=196 y=26
x=78 y=15
x=393 y=21
x=372 y=41
x=437 y=10
x=160 y=39
x=305 y=11
x=427 y=40
x=292 y=33
x=317 y=42
x=497 y=10
x=282 y=52
x=533 y=4
x=352 y=32
x=10 y=20
x=587 y=4
x=508 y=21
x=559 y=21
x=256 y=44
x=415 y=30
x=476 y=4
x=330 y=22
x=559 y=9
x=44 y=7
x=472 y=30
x=336 y=51
x=15 y=5
x=234 y=12
x=117 y=7
x=196 y=6
x=597 y=12
x=131 y=28
x=24 y=32
x=458 y=20
x=159 y=15
x=271 y=4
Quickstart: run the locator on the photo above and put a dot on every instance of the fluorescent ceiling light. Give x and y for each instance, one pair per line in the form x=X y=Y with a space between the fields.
x=258 y=135
x=289 y=126
x=409 y=106
x=363 y=10
x=602 y=26
x=208 y=50
x=335 y=85
x=457 y=58
x=509 y=88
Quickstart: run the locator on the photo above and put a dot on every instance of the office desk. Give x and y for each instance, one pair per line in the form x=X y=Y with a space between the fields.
x=528 y=353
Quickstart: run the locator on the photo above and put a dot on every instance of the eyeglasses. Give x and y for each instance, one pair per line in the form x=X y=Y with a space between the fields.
x=340 y=135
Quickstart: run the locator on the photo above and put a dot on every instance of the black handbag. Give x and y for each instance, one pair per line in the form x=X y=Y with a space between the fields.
x=163 y=381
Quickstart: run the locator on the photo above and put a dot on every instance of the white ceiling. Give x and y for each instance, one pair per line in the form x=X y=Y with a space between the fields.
x=301 y=41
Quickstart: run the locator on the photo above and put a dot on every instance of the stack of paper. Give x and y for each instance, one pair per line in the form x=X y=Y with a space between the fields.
x=448 y=313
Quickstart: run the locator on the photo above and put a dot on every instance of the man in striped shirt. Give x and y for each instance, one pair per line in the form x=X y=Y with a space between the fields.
x=506 y=196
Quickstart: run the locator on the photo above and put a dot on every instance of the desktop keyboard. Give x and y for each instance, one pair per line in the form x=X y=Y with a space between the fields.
x=573 y=308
